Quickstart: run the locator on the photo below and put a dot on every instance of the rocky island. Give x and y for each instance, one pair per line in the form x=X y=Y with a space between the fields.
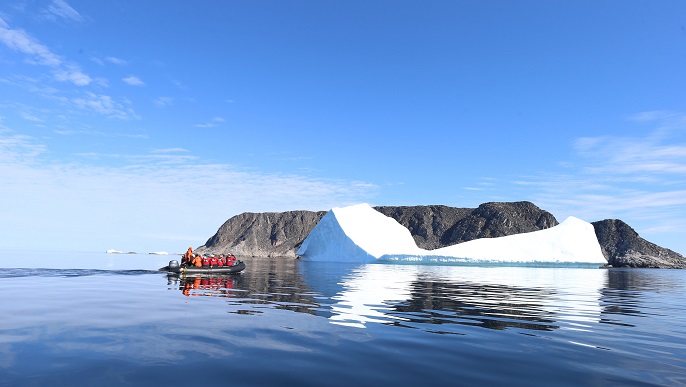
x=280 y=234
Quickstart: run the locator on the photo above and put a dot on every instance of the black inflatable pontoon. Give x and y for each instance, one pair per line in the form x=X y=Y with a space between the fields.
x=174 y=267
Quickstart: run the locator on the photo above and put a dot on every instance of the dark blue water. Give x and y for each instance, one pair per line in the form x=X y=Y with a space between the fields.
x=287 y=322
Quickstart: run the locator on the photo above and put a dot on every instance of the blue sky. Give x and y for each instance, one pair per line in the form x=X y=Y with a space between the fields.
x=143 y=126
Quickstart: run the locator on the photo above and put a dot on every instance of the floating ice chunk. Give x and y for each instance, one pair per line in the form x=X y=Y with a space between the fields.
x=361 y=234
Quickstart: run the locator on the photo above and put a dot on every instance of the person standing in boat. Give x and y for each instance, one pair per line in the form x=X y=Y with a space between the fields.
x=197 y=261
x=187 y=258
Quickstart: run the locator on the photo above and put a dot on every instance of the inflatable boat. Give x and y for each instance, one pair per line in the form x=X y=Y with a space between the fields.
x=174 y=267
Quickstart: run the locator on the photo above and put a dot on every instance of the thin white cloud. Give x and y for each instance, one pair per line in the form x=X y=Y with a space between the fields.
x=30 y=117
x=104 y=105
x=16 y=148
x=651 y=154
x=652 y=116
x=60 y=9
x=72 y=74
x=33 y=85
x=170 y=150
x=99 y=133
x=212 y=123
x=66 y=132
x=97 y=60
x=133 y=81
x=163 y=101
x=109 y=59
x=117 y=61
x=20 y=41
x=137 y=159
x=178 y=84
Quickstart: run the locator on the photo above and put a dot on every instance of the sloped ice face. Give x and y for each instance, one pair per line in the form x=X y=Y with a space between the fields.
x=361 y=234
x=356 y=234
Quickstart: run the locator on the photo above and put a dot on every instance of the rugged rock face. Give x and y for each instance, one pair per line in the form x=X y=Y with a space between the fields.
x=427 y=224
x=622 y=247
x=269 y=234
x=434 y=227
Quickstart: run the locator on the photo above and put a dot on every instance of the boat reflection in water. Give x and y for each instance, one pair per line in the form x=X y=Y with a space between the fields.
x=204 y=285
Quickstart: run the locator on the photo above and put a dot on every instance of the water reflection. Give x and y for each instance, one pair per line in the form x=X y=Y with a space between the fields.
x=435 y=298
x=265 y=283
x=626 y=293
x=440 y=299
x=204 y=285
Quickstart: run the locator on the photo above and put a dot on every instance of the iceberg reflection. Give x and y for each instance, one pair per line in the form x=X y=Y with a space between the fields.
x=433 y=297
x=369 y=292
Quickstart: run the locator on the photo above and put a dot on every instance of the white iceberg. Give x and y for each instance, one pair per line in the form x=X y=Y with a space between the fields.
x=361 y=234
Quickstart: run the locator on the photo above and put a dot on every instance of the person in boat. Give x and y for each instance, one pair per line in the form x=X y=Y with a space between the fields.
x=221 y=261
x=187 y=258
x=230 y=260
x=197 y=261
x=205 y=261
x=213 y=261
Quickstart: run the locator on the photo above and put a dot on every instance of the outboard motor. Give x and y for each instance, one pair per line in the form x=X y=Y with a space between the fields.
x=174 y=265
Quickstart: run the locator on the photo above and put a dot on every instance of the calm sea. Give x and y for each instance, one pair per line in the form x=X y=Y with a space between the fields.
x=103 y=319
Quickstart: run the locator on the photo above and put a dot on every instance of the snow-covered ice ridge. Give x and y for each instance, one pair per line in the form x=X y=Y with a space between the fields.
x=359 y=233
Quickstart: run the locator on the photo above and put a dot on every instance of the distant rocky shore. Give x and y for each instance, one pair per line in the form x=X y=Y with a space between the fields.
x=275 y=234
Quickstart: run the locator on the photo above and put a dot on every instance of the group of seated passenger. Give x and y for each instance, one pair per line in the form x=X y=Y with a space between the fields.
x=207 y=260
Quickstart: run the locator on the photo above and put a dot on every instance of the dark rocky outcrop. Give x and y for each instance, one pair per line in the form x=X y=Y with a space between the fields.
x=273 y=234
x=268 y=234
x=622 y=247
x=433 y=227
x=427 y=224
